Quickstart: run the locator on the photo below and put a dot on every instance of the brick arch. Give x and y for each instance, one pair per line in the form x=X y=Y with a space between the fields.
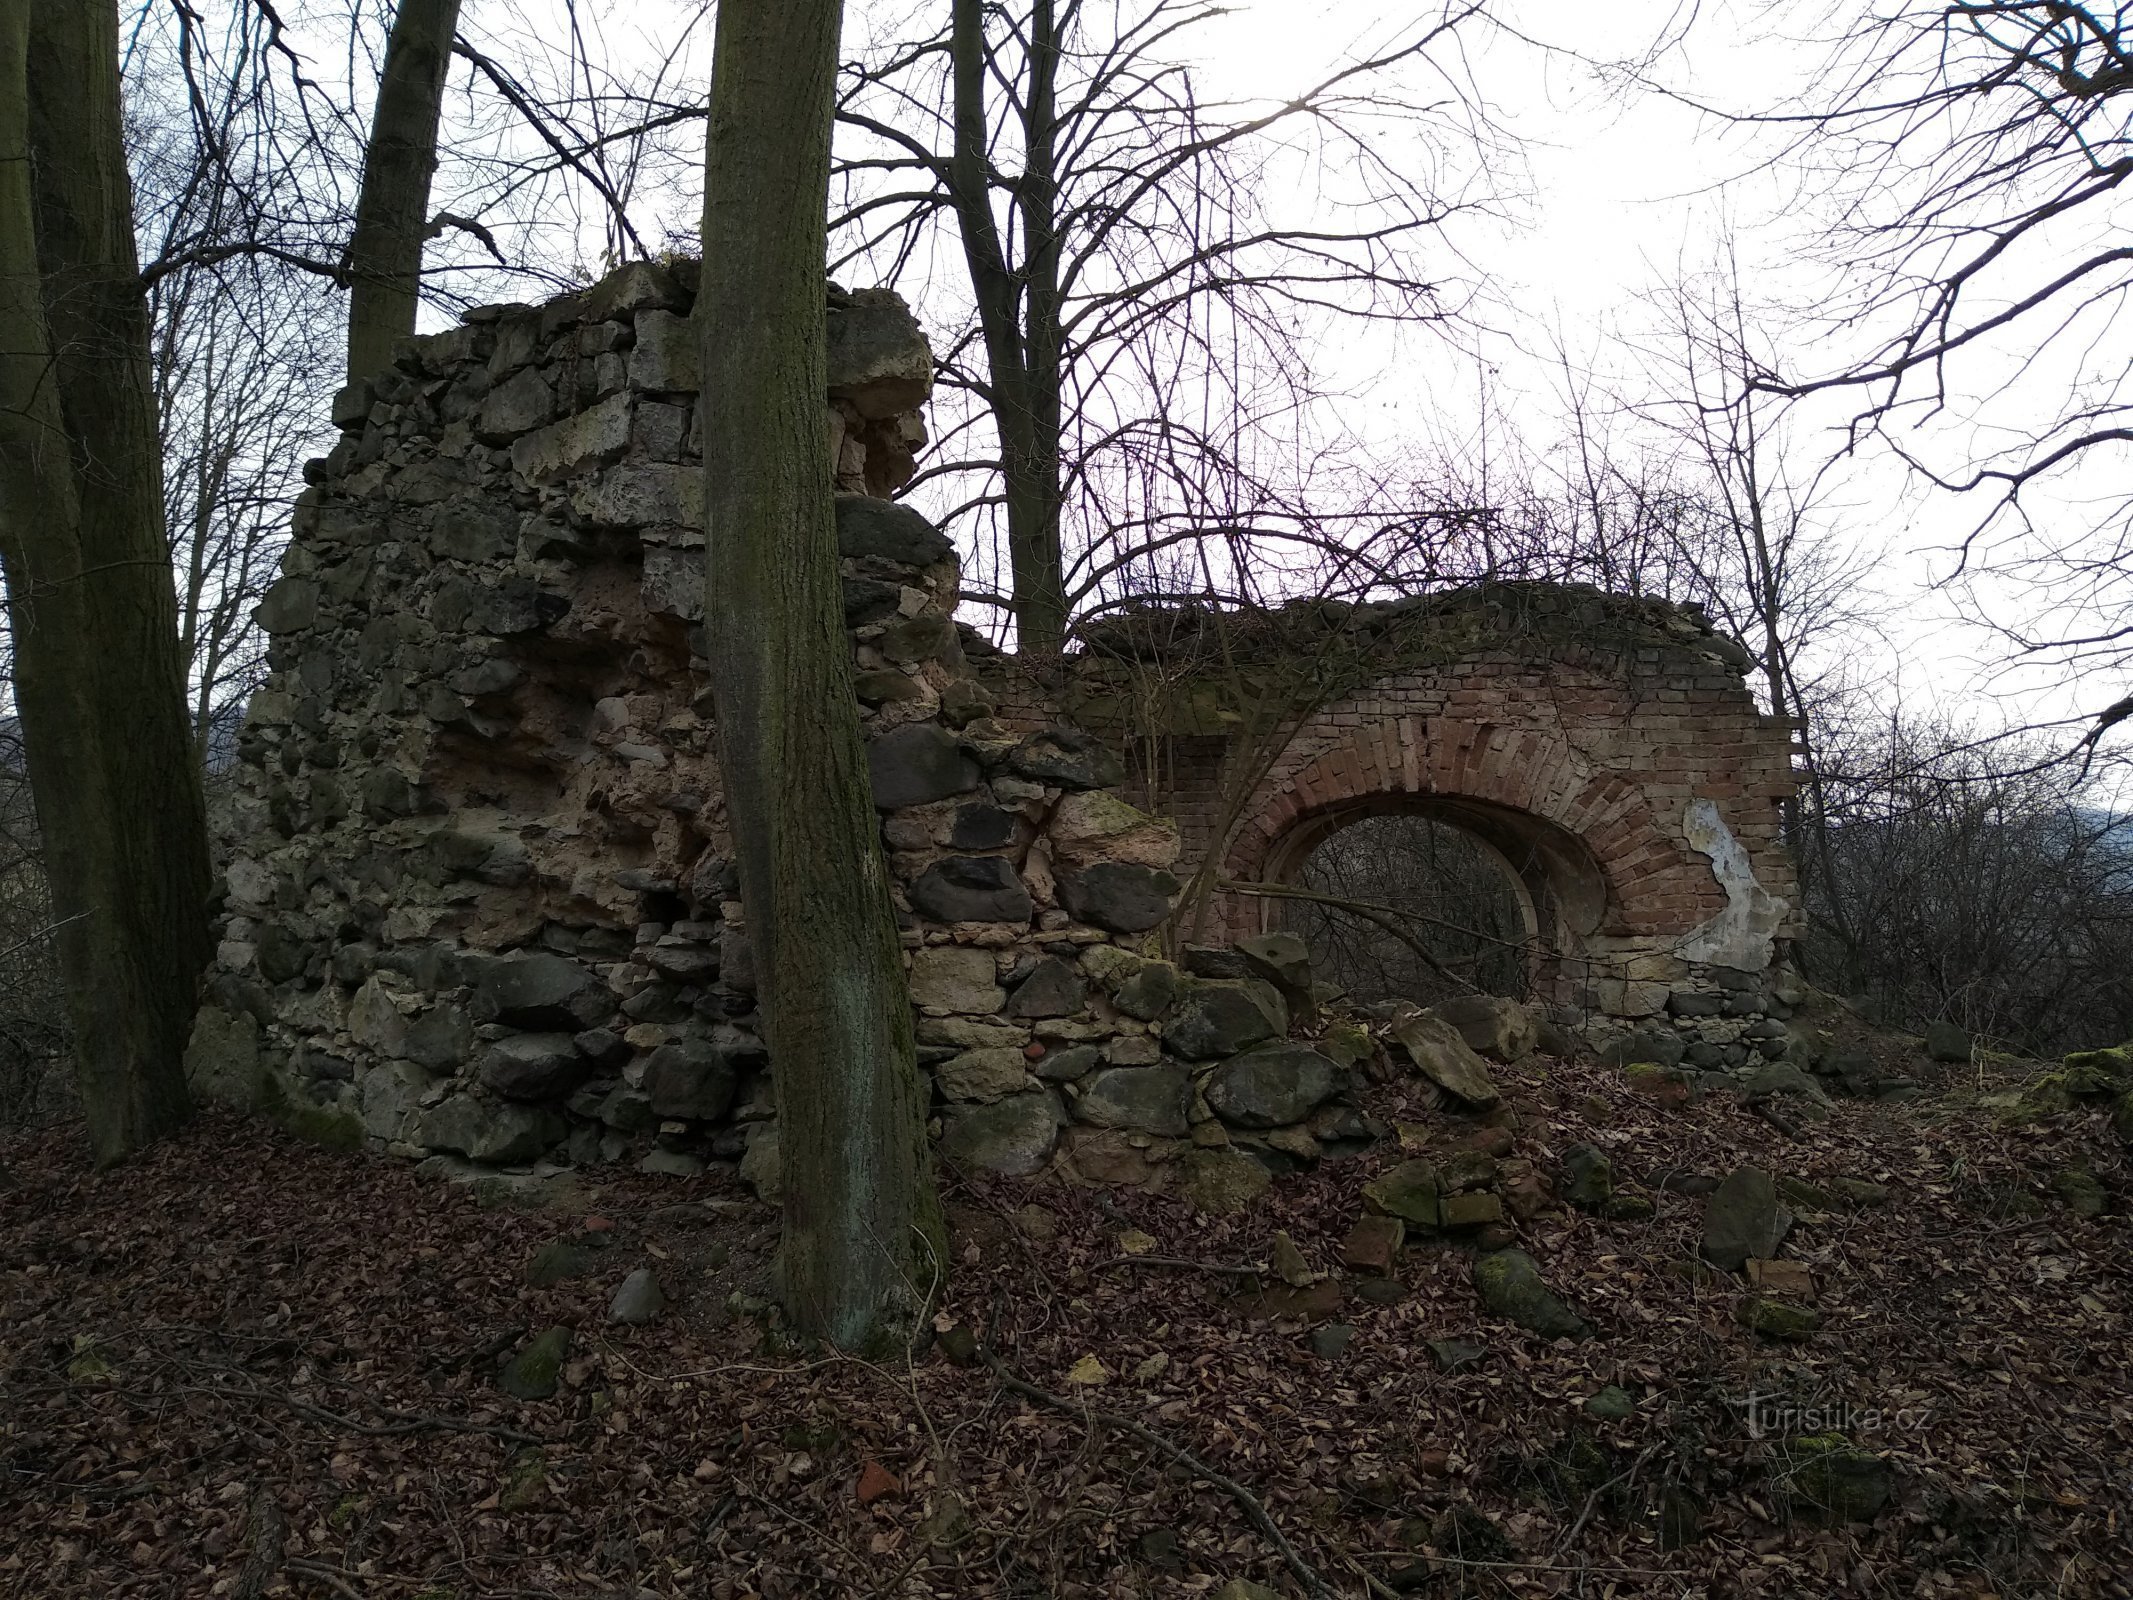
x=1608 y=869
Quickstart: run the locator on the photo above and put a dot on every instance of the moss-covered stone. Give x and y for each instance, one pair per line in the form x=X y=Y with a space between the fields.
x=1473 y=1210
x=537 y=1370
x=1409 y=1191
x=557 y=1260
x=2091 y=1073
x=1775 y=1319
x=1832 y=1480
x=2047 y=1097
x=1150 y=991
x=331 y=1127
x=1669 y=1086
x=1510 y=1285
x=222 y=1059
x=1109 y=965
x=2080 y=1192
x=1347 y=1043
x=1588 y=1177
x=525 y=1480
x=1611 y=1404
x=1859 y=1193
x=1221 y=1181
x=1807 y=1196
x=1466 y=1169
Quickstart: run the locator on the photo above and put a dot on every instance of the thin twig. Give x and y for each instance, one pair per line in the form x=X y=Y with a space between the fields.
x=1247 y=1502
x=1592 y=1500
x=403 y=1423
x=1376 y=1586
x=485 y=1352
x=1776 y=1118
x=1526 y=1566
x=1183 y=1265
x=1384 y=917
x=332 y=1577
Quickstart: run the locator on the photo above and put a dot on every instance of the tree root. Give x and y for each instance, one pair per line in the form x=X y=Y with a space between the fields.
x=270 y=1531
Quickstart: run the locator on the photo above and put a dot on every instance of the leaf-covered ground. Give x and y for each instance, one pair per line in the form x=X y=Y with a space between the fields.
x=246 y=1367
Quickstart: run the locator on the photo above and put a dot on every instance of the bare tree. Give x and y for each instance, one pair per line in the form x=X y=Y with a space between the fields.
x=1772 y=554
x=861 y=1247
x=98 y=678
x=242 y=357
x=1459 y=903
x=1132 y=371
x=392 y=206
x=1971 y=883
x=33 y=1030
x=1968 y=159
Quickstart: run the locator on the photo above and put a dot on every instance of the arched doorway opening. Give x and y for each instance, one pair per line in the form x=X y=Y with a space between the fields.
x=1462 y=894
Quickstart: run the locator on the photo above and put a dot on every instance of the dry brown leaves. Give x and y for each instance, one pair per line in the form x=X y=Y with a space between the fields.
x=242 y=1367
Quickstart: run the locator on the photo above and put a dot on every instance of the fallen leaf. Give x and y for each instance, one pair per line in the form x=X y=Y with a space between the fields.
x=876 y=1481
x=1089 y=1372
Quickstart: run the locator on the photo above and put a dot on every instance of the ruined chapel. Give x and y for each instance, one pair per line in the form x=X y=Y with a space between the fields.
x=478 y=905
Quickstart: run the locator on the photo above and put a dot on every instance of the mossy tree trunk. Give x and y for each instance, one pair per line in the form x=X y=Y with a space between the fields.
x=860 y=1250
x=392 y=208
x=99 y=679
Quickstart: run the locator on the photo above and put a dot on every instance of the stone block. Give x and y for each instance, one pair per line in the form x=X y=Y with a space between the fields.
x=1155 y=1100
x=1272 y=1086
x=983 y=1075
x=956 y=978
x=577 y=444
x=637 y=494
x=918 y=764
x=1119 y=896
x=665 y=359
x=888 y=530
x=1014 y=1136
x=879 y=361
x=971 y=889
x=533 y=1066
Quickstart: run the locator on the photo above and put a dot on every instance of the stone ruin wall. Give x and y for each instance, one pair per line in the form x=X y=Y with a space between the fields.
x=1612 y=737
x=479 y=905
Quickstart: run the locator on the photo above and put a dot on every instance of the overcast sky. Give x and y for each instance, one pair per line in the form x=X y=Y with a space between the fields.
x=1609 y=197
x=1622 y=192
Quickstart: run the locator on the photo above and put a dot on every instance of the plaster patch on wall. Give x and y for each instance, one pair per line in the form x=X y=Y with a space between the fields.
x=1740 y=935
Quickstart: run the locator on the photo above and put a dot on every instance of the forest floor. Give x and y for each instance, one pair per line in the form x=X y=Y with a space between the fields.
x=243 y=1366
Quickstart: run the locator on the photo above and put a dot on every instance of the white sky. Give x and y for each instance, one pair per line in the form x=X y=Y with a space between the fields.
x=1619 y=194
x=1622 y=193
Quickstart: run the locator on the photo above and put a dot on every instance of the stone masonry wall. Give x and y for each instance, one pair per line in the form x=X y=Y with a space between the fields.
x=479 y=905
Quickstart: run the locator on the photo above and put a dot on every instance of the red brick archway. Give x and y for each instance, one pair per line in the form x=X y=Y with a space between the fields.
x=1598 y=868
x=1607 y=744
x=1652 y=881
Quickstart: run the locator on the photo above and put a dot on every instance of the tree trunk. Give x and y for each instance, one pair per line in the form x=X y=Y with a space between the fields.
x=1040 y=578
x=98 y=676
x=860 y=1254
x=393 y=206
x=1029 y=453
